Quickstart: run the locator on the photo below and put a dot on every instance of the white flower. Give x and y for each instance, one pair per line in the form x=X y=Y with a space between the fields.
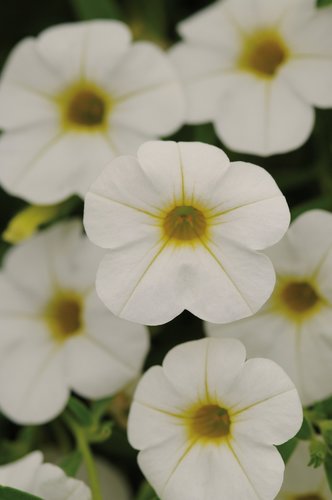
x=75 y=97
x=56 y=335
x=182 y=225
x=294 y=327
x=256 y=68
x=46 y=481
x=206 y=422
x=303 y=482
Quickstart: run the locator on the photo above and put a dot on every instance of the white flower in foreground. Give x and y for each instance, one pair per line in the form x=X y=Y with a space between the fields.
x=55 y=334
x=302 y=482
x=75 y=97
x=182 y=225
x=256 y=68
x=46 y=481
x=294 y=327
x=206 y=422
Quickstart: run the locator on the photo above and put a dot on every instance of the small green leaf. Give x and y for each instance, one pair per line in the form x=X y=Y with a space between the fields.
x=100 y=407
x=80 y=411
x=12 y=494
x=324 y=3
x=318 y=453
x=96 y=9
x=100 y=433
x=71 y=463
x=286 y=450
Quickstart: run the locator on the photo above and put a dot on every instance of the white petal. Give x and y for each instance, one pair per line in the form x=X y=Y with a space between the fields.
x=74 y=260
x=44 y=165
x=148 y=95
x=84 y=50
x=42 y=81
x=124 y=140
x=262 y=466
x=221 y=271
x=52 y=484
x=111 y=350
x=33 y=389
x=205 y=74
x=314 y=357
x=267 y=334
x=307 y=243
x=204 y=369
x=264 y=403
x=311 y=77
x=155 y=412
x=21 y=473
x=252 y=209
x=262 y=117
x=28 y=269
x=17 y=301
x=299 y=478
x=113 y=205
x=213 y=27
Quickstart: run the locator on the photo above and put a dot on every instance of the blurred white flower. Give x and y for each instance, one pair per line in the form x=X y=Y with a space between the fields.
x=256 y=68
x=46 y=481
x=206 y=422
x=302 y=482
x=75 y=97
x=56 y=335
x=182 y=225
x=294 y=327
x=113 y=485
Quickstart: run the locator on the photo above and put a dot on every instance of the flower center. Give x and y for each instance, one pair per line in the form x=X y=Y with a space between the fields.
x=64 y=315
x=184 y=223
x=86 y=108
x=299 y=297
x=210 y=422
x=263 y=53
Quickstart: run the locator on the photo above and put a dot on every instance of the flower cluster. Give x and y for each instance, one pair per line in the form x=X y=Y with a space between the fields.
x=171 y=228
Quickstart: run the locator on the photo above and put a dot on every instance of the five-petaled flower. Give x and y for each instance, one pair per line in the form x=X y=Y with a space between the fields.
x=206 y=422
x=182 y=226
x=256 y=68
x=56 y=335
x=75 y=97
x=294 y=327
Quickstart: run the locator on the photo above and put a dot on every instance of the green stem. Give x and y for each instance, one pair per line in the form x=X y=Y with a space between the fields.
x=83 y=446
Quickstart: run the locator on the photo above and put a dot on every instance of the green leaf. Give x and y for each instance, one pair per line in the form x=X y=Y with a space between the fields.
x=100 y=407
x=318 y=453
x=328 y=469
x=324 y=3
x=12 y=494
x=71 y=463
x=286 y=450
x=80 y=411
x=96 y=9
x=146 y=493
x=306 y=432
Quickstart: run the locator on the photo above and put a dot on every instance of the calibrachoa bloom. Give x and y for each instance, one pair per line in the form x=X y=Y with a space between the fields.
x=56 y=335
x=182 y=225
x=73 y=98
x=206 y=422
x=294 y=327
x=46 y=481
x=256 y=68
x=302 y=482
